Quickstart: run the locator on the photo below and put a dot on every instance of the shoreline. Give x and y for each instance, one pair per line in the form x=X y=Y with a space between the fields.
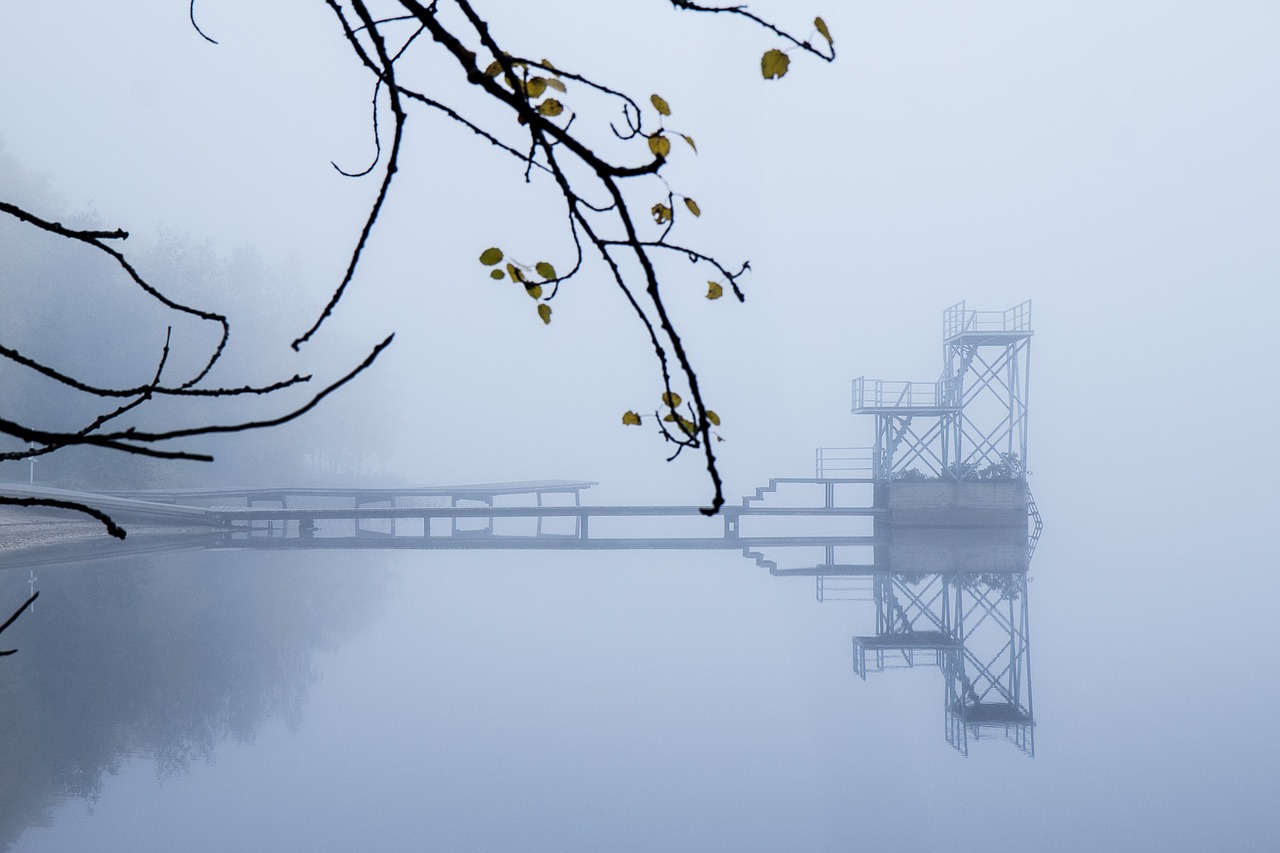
x=37 y=535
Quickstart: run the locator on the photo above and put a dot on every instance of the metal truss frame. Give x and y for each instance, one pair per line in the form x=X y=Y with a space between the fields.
x=990 y=375
x=974 y=627
x=988 y=685
x=974 y=420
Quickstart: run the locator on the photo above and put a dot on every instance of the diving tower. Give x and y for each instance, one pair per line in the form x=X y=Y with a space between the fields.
x=969 y=424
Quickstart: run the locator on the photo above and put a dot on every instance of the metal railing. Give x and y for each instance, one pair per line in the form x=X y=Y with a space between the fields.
x=956 y=320
x=842 y=462
x=895 y=394
x=843 y=589
x=1037 y=525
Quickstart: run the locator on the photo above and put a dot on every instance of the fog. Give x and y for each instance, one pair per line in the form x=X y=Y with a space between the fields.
x=1113 y=163
x=1108 y=163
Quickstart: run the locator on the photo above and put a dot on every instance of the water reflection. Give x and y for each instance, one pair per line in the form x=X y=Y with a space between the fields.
x=165 y=658
x=168 y=655
x=955 y=599
x=975 y=629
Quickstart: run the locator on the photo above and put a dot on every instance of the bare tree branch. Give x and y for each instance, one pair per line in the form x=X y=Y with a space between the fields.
x=112 y=528
x=603 y=167
x=388 y=73
x=613 y=226
x=192 y=14
x=14 y=618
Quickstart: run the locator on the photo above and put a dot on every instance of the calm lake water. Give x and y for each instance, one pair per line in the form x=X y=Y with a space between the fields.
x=240 y=700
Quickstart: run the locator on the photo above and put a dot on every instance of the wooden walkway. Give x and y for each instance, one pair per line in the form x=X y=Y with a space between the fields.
x=475 y=492
x=439 y=527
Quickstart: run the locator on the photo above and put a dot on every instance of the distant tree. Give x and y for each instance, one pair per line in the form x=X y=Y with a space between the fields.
x=145 y=661
x=109 y=421
x=604 y=150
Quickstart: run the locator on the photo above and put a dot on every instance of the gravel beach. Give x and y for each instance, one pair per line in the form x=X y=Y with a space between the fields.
x=26 y=533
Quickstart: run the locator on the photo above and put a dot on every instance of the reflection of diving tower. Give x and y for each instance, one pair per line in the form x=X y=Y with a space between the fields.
x=974 y=628
x=913 y=624
x=950 y=545
x=971 y=423
x=989 y=682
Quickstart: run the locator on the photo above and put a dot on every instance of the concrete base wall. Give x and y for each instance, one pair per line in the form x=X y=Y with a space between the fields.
x=973 y=549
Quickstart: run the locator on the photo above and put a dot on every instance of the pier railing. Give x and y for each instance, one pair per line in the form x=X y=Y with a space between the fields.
x=830 y=462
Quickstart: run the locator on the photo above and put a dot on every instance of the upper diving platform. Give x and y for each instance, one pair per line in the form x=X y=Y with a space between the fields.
x=962 y=329
x=983 y=328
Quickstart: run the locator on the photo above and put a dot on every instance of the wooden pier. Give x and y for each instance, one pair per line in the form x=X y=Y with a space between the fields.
x=469 y=517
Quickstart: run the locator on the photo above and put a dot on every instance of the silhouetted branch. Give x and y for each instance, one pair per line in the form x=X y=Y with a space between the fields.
x=112 y=528
x=191 y=12
x=604 y=192
x=14 y=618
x=132 y=434
x=42 y=441
x=612 y=227
x=94 y=239
x=387 y=73
x=690 y=6
x=152 y=388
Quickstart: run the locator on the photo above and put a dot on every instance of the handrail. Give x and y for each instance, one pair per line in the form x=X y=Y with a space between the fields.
x=895 y=394
x=1037 y=525
x=957 y=320
x=841 y=460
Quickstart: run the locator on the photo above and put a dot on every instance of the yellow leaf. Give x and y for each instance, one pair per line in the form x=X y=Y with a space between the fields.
x=659 y=145
x=535 y=87
x=822 y=28
x=693 y=206
x=556 y=83
x=689 y=139
x=631 y=419
x=660 y=105
x=545 y=270
x=774 y=64
x=544 y=311
x=661 y=213
x=551 y=107
x=669 y=418
x=494 y=69
x=713 y=417
x=687 y=426
x=534 y=290
x=496 y=275
x=714 y=290
x=670 y=398
x=491 y=256
x=515 y=273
